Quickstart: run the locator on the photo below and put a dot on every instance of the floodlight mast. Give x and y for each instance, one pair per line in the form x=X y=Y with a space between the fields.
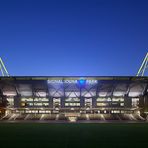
x=143 y=67
x=3 y=69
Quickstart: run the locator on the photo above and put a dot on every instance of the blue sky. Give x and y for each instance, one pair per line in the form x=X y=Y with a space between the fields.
x=106 y=37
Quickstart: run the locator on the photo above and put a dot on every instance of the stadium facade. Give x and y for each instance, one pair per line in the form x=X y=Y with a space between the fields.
x=73 y=98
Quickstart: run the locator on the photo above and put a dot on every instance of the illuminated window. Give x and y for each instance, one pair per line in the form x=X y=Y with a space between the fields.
x=40 y=104
x=23 y=104
x=121 y=104
x=88 y=102
x=40 y=99
x=30 y=104
x=45 y=104
x=28 y=111
x=56 y=99
x=102 y=104
x=103 y=99
x=21 y=111
x=31 y=111
x=115 y=111
x=135 y=102
x=72 y=99
x=34 y=111
x=37 y=104
x=72 y=104
x=117 y=99
x=41 y=111
x=26 y=99
x=10 y=102
x=88 y=99
x=44 y=111
x=56 y=102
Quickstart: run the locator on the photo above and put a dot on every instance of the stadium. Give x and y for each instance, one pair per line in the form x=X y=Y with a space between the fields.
x=77 y=98
x=72 y=75
x=74 y=98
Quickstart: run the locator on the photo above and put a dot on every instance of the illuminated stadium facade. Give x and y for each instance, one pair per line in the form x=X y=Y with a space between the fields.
x=73 y=98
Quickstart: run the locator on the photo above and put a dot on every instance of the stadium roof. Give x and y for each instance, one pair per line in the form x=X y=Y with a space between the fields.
x=67 y=86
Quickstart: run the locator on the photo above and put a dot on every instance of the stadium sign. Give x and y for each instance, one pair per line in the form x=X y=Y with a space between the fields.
x=73 y=81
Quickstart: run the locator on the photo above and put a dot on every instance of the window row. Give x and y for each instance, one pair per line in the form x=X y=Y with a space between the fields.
x=109 y=104
x=72 y=104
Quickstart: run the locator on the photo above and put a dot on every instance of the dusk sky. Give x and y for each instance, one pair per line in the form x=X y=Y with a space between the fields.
x=72 y=38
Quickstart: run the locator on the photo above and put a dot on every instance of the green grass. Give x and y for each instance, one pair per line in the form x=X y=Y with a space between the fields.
x=98 y=135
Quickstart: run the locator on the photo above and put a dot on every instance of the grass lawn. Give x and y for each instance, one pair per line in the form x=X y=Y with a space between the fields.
x=84 y=135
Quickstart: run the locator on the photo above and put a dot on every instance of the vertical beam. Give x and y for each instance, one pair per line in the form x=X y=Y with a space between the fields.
x=17 y=101
x=3 y=68
x=49 y=96
x=82 y=100
x=146 y=100
x=94 y=100
x=141 y=101
x=63 y=97
x=143 y=66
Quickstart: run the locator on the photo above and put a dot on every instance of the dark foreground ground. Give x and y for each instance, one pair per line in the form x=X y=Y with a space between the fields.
x=73 y=135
